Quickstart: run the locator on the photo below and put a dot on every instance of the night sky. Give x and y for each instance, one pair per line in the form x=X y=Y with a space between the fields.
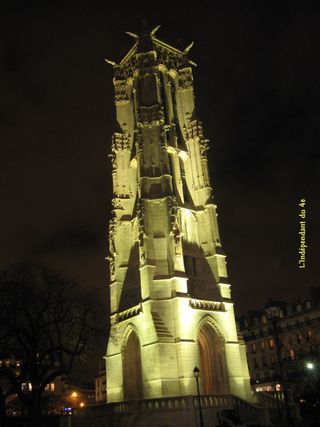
x=257 y=94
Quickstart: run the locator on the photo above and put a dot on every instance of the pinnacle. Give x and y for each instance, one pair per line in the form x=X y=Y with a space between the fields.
x=145 y=36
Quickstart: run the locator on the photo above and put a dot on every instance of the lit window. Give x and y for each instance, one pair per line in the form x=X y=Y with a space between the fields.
x=292 y=354
x=271 y=343
x=29 y=386
x=262 y=346
x=51 y=386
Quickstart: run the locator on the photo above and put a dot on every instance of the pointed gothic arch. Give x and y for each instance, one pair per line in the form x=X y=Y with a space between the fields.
x=213 y=368
x=132 y=369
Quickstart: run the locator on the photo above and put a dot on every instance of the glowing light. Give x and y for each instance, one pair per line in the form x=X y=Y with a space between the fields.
x=310 y=365
x=74 y=394
x=175 y=259
x=81 y=405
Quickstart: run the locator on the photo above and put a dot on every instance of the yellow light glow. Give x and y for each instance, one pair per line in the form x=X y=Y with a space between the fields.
x=81 y=405
x=74 y=394
x=170 y=249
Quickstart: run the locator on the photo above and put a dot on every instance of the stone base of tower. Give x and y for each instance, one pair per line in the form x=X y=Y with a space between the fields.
x=174 y=412
x=154 y=347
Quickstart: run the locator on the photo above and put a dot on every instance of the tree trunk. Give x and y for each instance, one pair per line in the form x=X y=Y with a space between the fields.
x=35 y=410
x=3 y=412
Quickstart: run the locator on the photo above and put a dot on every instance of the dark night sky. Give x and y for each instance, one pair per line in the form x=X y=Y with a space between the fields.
x=257 y=94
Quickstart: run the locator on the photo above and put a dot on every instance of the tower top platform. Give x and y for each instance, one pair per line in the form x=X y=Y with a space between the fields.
x=157 y=51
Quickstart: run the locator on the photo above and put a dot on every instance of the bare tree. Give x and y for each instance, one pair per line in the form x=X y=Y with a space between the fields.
x=46 y=322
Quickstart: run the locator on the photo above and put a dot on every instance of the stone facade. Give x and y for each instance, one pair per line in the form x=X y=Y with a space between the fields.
x=298 y=332
x=170 y=300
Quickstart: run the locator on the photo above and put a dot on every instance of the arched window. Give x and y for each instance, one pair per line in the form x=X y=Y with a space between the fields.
x=214 y=378
x=132 y=372
x=148 y=94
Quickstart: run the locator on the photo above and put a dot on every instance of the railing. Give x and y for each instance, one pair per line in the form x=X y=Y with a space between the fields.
x=185 y=402
x=185 y=405
x=152 y=404
x=270 y=400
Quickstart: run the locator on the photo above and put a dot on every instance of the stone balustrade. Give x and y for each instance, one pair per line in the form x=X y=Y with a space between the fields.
x=185 y=402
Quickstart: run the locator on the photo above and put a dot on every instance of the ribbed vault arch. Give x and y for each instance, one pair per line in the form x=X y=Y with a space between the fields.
x=132 y=369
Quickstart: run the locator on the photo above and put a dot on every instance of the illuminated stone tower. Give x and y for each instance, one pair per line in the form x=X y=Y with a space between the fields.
x=171 y=308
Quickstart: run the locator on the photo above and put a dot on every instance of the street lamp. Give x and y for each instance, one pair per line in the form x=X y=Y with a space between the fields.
x=310 y=365
x=196 y=373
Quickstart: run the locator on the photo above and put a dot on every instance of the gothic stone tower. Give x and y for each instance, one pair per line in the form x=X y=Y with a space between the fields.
x=171 y=308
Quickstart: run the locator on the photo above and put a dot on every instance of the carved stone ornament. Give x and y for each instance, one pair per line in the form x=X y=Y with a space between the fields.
x=170 y=57
x=112 y=157
x=194 y=130
x=111 y=264
x=150 y=116
x=185 y=78
x=120 y=142
x=204 y=146
x=116 y=203
x=131 y=312
x=112 y=232
x=146 y=62
x=206 y=305
x=142 y=255
x=120 y=91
